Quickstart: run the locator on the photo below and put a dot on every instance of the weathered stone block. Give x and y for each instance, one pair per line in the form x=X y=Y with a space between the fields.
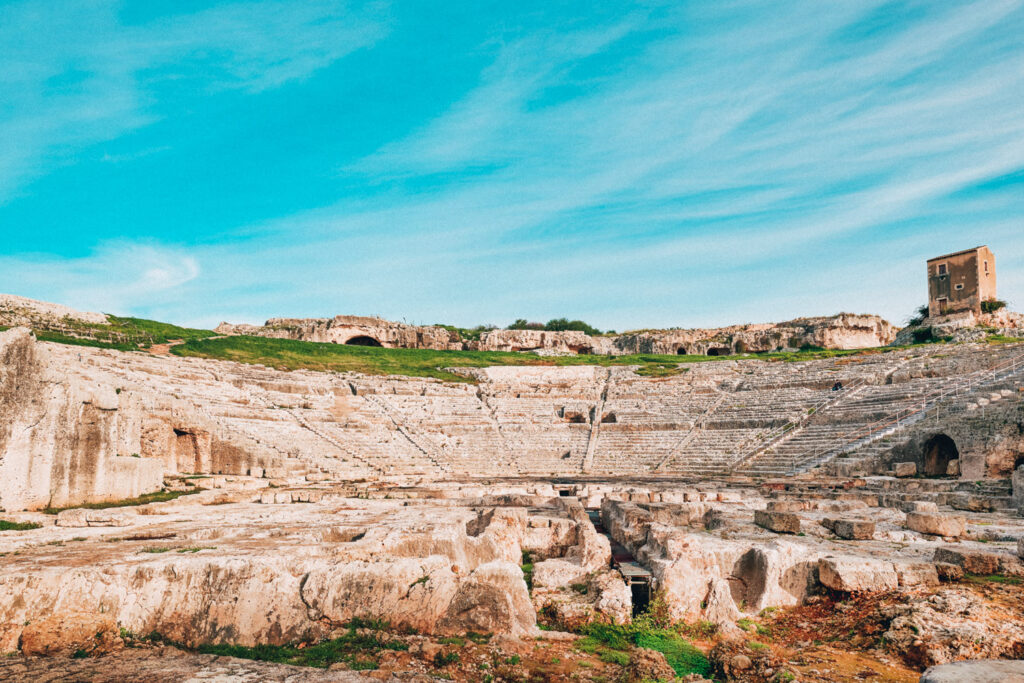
x=920 y=506
x=949 y=572
x=917 y=574
x=854 y=529
x=779 y=522
x=82 y=517
x=949 y=526
x=953 y=468
x=786 y=506
x=904 y=469
x=857 y=574
x=1020 y=548
x=972 y=561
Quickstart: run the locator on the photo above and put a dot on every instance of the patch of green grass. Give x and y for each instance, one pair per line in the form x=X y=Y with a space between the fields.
x=527 y=567
x=156 y=550
x=443 y=659
x=580 y=588
x=756 y=646
x=157 y=497
x=196 y=548
x=611 y=643
x=478 y=638
x=452 y=640
x=18 y=526
x=746 y=624
x=993 y=578
x=289 y=354
x=354 y=649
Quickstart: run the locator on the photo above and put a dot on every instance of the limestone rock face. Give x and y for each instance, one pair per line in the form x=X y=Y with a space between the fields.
x=64 y=634
x=166 y=665
x=60 y=439
x=843 y=331
x=857 y=574
x=984 y=671
x=348 y=329
x=948 y=526
x=949 y=625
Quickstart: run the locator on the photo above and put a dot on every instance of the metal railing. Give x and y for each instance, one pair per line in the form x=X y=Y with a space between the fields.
x=788 y=429
x=909 y=415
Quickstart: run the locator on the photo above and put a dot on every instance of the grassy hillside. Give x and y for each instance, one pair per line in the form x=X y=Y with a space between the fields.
x=124 y=334
x=289 y=354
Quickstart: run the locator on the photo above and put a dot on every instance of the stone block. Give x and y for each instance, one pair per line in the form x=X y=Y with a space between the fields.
x=948 y=526
x=779 y=522
x=857 y=574
x=921 y=506
x=82 y=517
x=972 y=561
x=949 y=572
x=786 y=506
x=904 y=469
x=917 y=574
x=1020 y=548
x=854 y=529
x=953 y=468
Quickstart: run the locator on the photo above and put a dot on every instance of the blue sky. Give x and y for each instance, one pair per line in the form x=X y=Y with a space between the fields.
x=635 y=165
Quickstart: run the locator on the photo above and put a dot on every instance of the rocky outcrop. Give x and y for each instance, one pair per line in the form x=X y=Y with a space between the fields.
x=843 y=331
x=62 y=442
x=352 y=329
x=166 y=665
x=984 y=671
x=17 y=310
x=438 y=579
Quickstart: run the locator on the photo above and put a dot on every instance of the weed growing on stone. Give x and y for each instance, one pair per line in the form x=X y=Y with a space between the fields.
x=18 y=526
x=157 y=497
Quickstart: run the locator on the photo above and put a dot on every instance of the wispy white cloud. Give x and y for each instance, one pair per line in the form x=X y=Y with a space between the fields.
x=697 y=163
x=72 y=74
x=118 y=277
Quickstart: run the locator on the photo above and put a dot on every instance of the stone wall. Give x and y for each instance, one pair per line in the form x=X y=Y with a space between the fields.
x=61 y=441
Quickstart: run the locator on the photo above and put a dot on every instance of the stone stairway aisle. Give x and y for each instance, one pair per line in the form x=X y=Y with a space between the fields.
x=969 y=393
x=352 y=455
x=595 y=424
x=695 y=431
x=420 y=442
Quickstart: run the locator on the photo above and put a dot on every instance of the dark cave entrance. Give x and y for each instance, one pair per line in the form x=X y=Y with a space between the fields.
x=939 y=451
x=363 y=340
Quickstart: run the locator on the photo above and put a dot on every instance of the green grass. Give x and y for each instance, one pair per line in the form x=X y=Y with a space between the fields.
x=123 y=334
x=157 y=497
x=611 y=643
x=289 y=354
x=354 y=649
x=993 y=578
x=18 y=526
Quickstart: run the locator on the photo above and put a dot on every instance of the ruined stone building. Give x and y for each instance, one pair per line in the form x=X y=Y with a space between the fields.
x=961 y=281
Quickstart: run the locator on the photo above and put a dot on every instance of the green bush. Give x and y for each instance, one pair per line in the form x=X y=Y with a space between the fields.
x=992 y=305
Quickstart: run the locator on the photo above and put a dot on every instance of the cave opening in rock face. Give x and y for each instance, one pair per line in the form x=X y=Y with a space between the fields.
x=186 y=448
x=938 y=452
x=748 y=580
x=681 y=351
x=719 y=351
x=363 y=340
